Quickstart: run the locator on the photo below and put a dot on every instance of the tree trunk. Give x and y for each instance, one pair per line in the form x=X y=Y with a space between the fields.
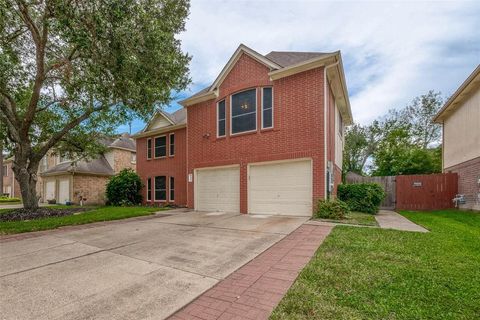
x=25 y=170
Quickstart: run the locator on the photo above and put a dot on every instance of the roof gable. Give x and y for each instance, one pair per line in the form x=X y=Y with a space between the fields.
x=470 y=85
x=242 y=49
x=159 y=120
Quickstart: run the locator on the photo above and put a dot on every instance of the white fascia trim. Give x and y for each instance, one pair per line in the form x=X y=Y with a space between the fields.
x=158 y=131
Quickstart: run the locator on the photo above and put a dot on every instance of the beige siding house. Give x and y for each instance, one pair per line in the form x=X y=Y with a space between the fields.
x=64 y=180
x=460 y=118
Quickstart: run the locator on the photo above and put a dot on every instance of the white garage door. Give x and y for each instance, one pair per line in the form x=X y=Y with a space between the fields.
x=283 y=188
x=218 y=189
x=64 y=191
x=50 y=190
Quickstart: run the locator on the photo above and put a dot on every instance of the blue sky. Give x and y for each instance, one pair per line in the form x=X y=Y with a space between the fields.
x=392 y=51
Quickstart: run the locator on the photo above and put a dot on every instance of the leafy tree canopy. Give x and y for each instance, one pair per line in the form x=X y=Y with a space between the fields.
x=72 y=71
x=403 y=141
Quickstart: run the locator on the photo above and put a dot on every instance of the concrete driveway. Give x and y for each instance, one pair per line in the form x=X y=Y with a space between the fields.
x=136 y=269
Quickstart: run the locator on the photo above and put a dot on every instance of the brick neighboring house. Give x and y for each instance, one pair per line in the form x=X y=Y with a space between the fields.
x=460 y=118
x=266 y=137
x=10 y=186
x=64 y=180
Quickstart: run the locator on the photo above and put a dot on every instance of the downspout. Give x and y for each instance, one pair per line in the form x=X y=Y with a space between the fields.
x=325 y=129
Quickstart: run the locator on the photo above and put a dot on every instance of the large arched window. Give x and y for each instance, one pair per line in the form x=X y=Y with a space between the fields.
x=244 y=111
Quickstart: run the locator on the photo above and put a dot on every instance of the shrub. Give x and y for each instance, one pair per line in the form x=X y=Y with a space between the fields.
x=7 y=199
x=124 y=188
x=362 y=197
x=332 y=209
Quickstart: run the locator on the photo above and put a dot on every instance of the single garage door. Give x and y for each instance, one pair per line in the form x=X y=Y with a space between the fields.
x=218 y=189
x=64 y=191
x=50 y=190
x=283 y=188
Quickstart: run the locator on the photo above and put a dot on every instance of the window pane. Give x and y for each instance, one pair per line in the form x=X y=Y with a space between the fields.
x=161 y=195
x=244 y=123
x=149 y=148
x=149 y=189
x=172 y=144
x=160 y=188
x=160 y=147
x=221 y=109
x=267 y=118
x=267 y=98
x=244 y=111
x=221 y=128
x=172 y=188
x=244 y=102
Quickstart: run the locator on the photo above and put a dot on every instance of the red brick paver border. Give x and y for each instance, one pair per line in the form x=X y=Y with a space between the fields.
x=254 y=290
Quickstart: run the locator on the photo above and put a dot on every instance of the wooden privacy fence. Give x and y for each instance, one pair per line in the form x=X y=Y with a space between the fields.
x=414 y=192
x=426 y=192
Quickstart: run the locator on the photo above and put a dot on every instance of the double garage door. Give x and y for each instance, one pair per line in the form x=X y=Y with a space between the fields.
x=63 y=190
x=280 y=188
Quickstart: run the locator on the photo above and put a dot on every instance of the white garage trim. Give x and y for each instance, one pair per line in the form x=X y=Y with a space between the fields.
x=304 y=205
x=235 y=207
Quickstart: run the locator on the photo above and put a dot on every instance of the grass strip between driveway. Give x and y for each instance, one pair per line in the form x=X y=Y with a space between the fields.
x=353 y=217
x=95 y=215
x=365 y=273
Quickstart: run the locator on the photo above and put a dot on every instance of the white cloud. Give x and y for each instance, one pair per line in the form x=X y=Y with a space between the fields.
x=392 y=51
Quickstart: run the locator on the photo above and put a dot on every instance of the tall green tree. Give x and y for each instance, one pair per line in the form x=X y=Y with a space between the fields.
x=71 y=71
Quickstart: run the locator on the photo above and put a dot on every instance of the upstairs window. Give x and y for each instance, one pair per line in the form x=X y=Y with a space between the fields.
x=244 y=111
x=149 y=148
x=172 y=144
x=161 y=188
x=267 y=108
x=160 y=147
x=5 y=171
x=221 y=119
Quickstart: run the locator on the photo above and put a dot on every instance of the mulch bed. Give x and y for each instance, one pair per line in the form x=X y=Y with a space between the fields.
x=24 y=214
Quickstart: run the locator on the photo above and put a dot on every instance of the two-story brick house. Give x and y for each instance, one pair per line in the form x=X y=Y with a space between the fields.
x=266 y=137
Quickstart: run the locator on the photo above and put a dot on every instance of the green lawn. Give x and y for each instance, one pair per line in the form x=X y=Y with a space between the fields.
x=365 y=219
x=94 y=215
x=365 y=273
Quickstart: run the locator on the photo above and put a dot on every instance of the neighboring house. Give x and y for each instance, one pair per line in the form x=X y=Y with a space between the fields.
x=69 y=181
x=162 y=158
x=460 y=118
x=266 y=137
x=10 y=185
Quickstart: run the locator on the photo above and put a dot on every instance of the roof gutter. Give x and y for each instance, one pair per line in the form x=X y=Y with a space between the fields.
x=199 y=98
x=158 y=131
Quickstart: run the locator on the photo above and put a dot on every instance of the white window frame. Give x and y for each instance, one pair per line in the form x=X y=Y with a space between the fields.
x=155 y=189
x=149 y=192
x=256 y=112
x=154 y=146
x=5 y=170
x=170 y=154
x=151 y=149
x=170 y=189
x=218 y=118
x=271 y=108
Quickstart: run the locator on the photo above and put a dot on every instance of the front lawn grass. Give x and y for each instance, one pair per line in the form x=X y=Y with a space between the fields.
x=370 y=273
x=353 y=217
x=94 y=215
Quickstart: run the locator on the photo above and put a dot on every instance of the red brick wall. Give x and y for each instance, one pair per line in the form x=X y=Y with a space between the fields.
x=297 y=132
x=468 y=177
x=169 y=166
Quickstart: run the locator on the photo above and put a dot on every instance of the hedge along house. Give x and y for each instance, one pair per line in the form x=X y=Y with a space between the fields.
x=266 y=137
x=65 y=180
x=460 y=118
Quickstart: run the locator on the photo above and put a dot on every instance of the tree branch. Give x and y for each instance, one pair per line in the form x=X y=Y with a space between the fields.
x=72 y=124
